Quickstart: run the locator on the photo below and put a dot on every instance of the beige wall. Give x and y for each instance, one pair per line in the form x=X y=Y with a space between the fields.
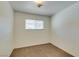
x=6 y=29
x=23 y=37
x=65 y=30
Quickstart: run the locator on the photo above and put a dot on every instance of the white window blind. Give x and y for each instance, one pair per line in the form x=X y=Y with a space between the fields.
x=34 y=24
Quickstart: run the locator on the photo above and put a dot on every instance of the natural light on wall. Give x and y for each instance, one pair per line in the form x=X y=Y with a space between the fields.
x=34 y=24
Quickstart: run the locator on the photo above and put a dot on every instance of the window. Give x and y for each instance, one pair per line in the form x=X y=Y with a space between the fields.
x=34 y=24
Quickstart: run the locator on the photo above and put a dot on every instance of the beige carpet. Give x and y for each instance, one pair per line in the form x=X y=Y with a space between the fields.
x=44 y=50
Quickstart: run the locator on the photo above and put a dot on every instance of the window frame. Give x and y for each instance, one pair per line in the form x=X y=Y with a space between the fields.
x=35 y=28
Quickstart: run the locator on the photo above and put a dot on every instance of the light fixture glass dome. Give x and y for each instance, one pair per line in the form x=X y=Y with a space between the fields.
x=39 y=2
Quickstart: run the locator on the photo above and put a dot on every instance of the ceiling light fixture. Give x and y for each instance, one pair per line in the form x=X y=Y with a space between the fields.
x=39 y=2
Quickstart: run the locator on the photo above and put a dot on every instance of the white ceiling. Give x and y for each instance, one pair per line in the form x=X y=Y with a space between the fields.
x=49 y=8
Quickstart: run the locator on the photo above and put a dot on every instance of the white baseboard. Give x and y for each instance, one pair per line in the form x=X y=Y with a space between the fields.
x=62 y=49
x=30 y=45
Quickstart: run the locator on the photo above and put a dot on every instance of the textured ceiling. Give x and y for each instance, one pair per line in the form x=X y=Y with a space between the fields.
x=49 y=8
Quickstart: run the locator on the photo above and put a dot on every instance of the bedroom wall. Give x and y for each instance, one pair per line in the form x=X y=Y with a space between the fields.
x=23 y=37
x=6 y=29
x=65 y=30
